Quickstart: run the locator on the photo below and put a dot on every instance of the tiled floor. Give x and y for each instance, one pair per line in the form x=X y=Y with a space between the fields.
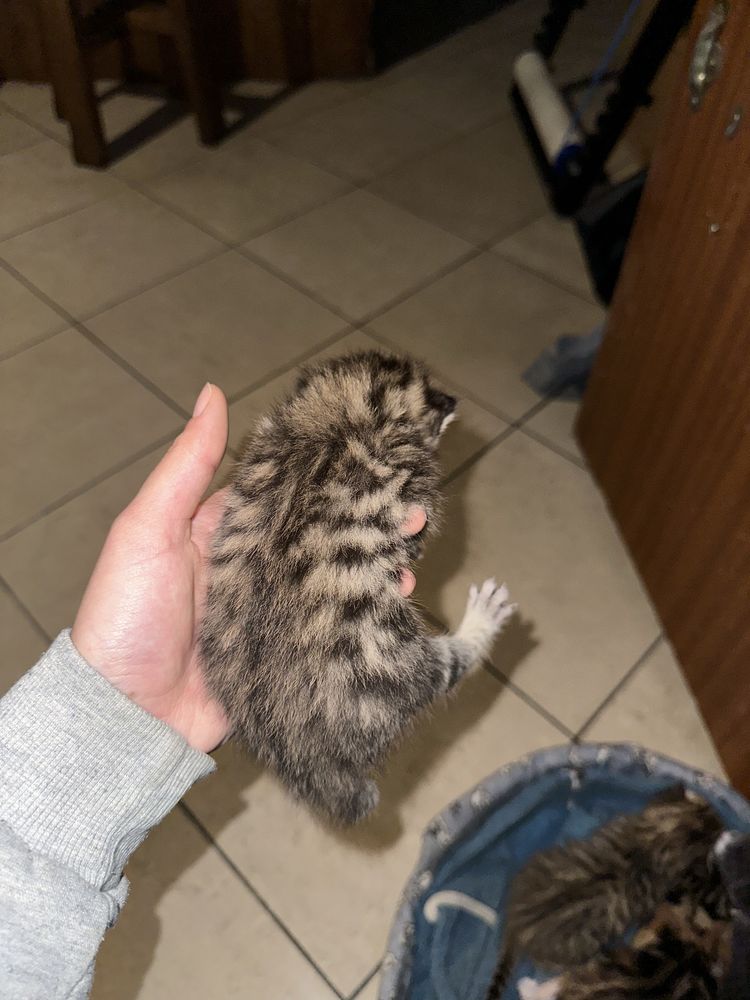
x=400 y=211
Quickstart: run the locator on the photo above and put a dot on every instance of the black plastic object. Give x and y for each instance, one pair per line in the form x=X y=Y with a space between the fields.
x=570 y=182
x=399 y=29
x=604 y=224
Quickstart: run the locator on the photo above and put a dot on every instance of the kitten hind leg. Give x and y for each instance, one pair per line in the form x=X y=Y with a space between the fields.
x=487 y=610
x=346 y=799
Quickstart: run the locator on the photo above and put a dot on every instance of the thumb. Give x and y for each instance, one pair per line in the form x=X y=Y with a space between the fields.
x=174 y=489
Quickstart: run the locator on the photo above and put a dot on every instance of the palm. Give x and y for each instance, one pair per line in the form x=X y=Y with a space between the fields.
x=148 y=593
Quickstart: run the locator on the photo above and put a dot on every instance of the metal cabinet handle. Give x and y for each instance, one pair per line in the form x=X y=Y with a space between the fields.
x=708 y=54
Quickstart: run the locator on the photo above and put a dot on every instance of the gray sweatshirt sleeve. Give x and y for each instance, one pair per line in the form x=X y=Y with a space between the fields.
x=84 y=774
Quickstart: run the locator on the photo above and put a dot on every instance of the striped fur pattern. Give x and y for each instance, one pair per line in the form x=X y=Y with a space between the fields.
x=681 y=955
x=318 y=660
x=572 y=901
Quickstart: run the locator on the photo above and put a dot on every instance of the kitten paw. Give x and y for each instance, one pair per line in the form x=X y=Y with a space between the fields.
x=487 y=611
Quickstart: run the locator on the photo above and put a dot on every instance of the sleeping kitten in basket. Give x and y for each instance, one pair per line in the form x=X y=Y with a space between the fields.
x=683 y=953
x=317 y=658
x=573 y=901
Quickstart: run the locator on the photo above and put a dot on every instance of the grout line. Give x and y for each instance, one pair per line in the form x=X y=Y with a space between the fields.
x=74 y=494
x=257 y=896
x=391 y=345
x=51 y=220
x=213 y=254
x=6 y=587
x=146 y=383
x=142 y=188
x=47 y=133
x=550 y=279
x=517 y=423
x=282 y=369
x=33 y=342
x=293 y=283
x=479 y=454
x=553 y=720
x=629 y=674
x=503 y=679
x=95 y=341
x=37 y=292
x=22 y=149
x=365 y=982
x=420 y=286
x=540 y=439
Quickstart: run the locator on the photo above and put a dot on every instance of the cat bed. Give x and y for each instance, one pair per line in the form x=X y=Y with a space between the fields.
x=445 y=939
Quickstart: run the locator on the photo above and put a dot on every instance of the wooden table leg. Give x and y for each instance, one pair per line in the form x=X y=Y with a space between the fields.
x=74 y=93
x=201 y=82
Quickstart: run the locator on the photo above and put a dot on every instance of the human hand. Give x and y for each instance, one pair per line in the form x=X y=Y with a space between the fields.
x=139 y=620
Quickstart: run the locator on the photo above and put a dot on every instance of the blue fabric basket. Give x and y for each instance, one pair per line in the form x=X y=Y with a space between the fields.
x=445 y=939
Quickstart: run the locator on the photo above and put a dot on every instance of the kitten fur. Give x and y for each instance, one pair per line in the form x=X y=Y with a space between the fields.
x=682 y=954
x=569 y=902
x=315 y=656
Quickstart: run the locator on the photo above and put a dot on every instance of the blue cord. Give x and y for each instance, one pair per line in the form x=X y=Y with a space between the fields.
x=597 y=77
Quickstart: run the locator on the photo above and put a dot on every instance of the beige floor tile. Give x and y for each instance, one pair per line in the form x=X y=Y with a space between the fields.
x=273 y=115
x=227 y=321
x=168 y=149
x=23 y=317
x=473 y=430
x=370 y=992
x=484 y=323
x=68 y=414
x=16 y=134
x=49 y=563
x=556 y=424
x=34 y=102
x=531 y=518
x=460 y=95
x=190 y=929
x=550 y=247
x=656 y=709
x=359 y=139
x=246 y=188
x=331 y=887
x=477 y=187
x=106 y=252
x=246 y=411
x=359 y=252
x=40 y=183
x=22 y=643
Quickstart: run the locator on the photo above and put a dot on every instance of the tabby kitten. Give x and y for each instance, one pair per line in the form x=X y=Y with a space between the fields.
x=317 y=659
x=570 y=901
x=681 y=955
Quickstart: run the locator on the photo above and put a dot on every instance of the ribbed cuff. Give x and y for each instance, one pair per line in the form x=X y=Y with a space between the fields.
x=84 y=772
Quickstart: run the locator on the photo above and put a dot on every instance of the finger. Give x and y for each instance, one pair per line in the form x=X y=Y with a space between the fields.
x=416 y=519
x=207 y=519
x=407 y=583
x=175 y=487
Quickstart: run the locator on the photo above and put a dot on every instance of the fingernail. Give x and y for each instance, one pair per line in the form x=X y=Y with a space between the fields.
x=202 y=401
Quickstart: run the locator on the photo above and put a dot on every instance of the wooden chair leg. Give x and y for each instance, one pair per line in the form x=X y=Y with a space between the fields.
x=194 y=53
x=74 y=92
x=295 y=23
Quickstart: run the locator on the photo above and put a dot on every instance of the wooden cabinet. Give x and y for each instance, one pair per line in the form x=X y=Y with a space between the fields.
x=666 y=421
x=255 y=38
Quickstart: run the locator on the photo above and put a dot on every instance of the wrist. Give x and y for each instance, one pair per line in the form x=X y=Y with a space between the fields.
x=84 y=771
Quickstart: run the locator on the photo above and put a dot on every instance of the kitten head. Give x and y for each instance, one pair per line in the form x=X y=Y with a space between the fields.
x=382 y=391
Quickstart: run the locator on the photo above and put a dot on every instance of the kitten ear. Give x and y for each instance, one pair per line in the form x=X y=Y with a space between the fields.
x=443 y=405
x=675 y=793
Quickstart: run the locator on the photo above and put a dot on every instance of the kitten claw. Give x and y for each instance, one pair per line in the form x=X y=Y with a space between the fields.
x=487 y=610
